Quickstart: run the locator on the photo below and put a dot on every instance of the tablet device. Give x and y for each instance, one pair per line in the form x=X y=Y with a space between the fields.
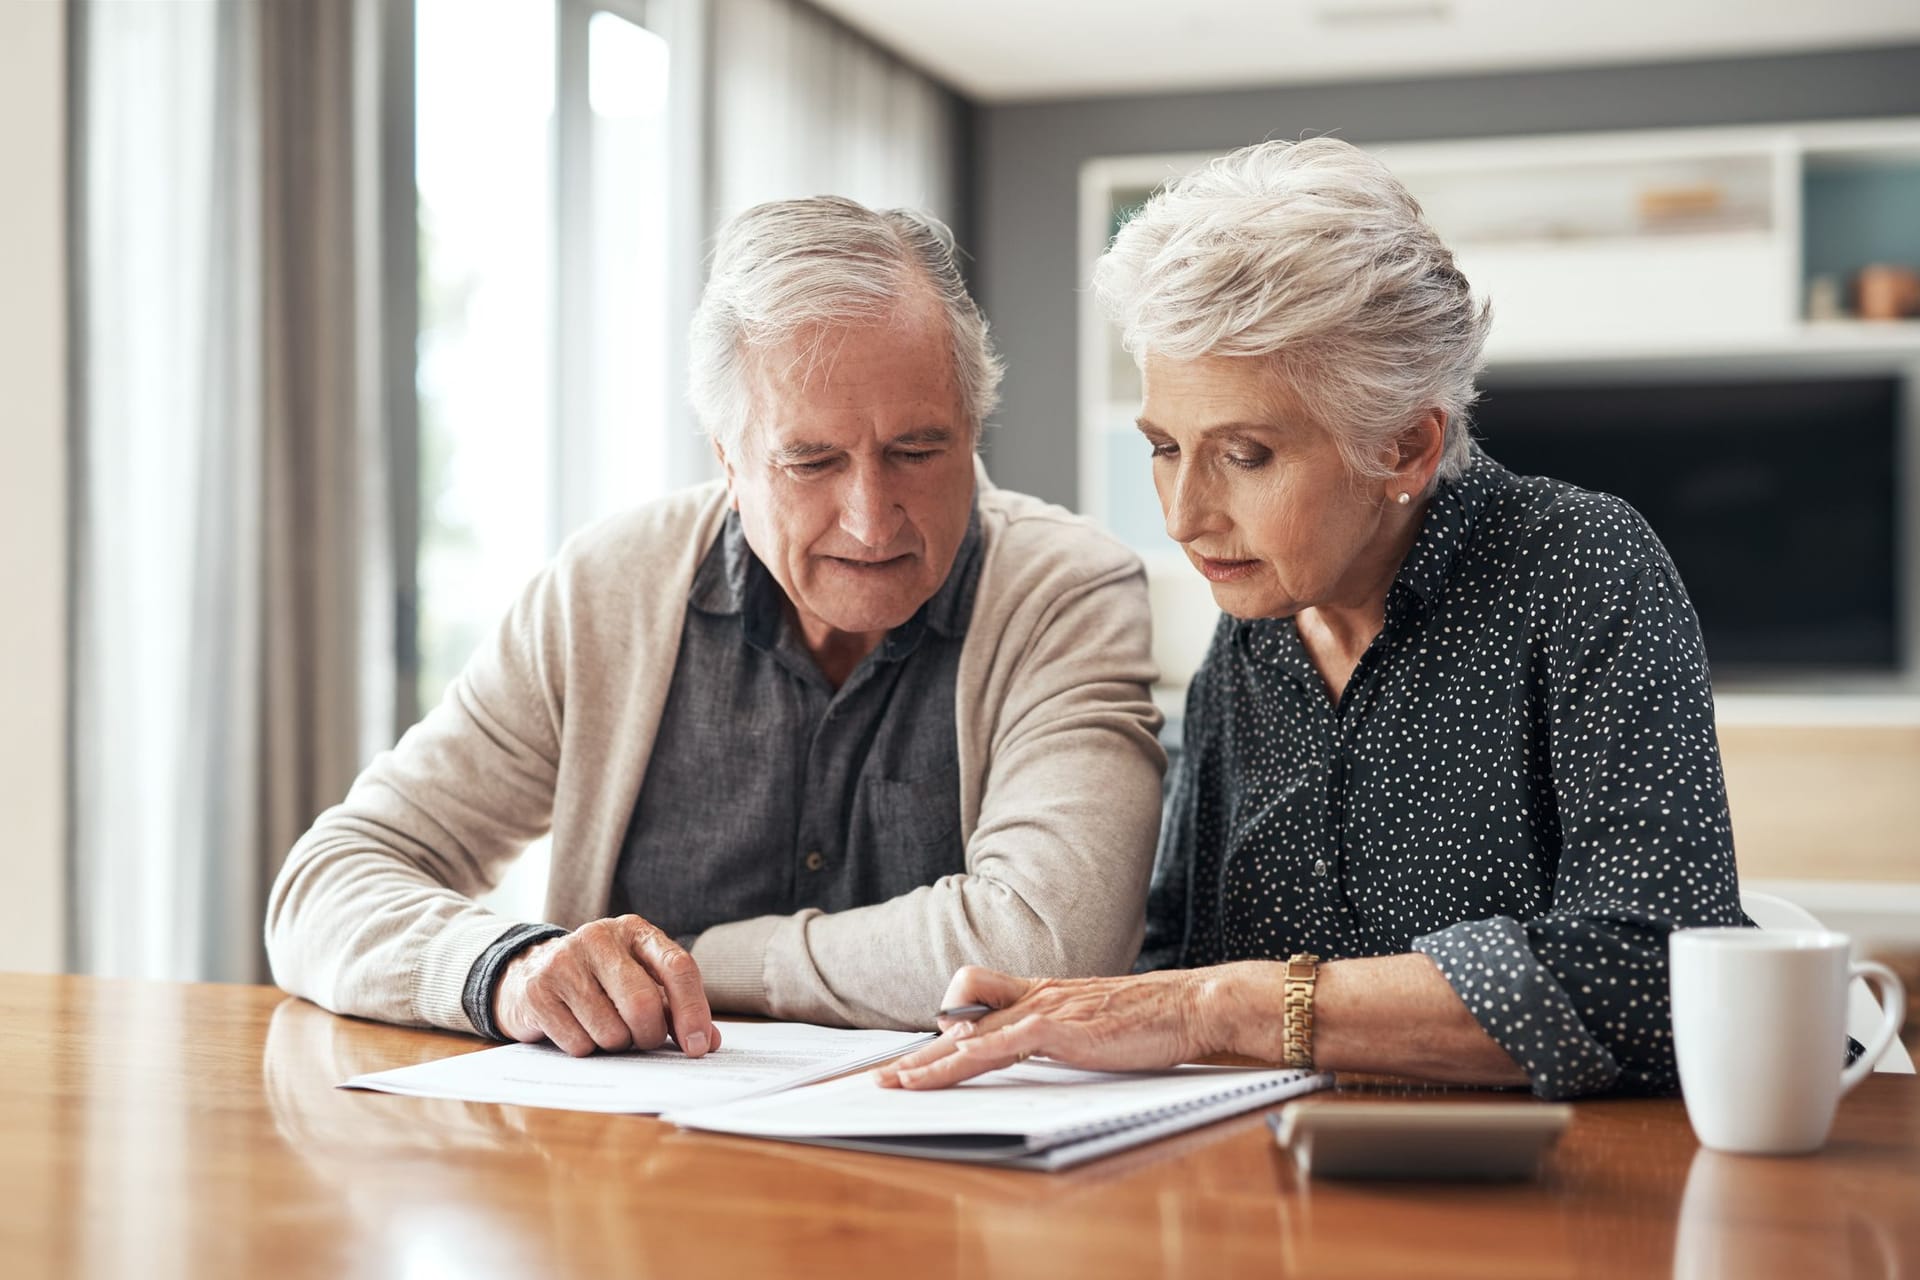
x=1419 y=1139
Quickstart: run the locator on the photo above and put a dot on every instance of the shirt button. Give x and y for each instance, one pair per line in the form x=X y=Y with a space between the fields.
x=1320 y=866
x=816 y=860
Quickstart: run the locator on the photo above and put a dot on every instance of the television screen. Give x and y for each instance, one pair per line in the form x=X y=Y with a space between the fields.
x=1779 y=501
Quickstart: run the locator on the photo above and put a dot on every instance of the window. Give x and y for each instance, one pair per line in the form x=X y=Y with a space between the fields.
x=617 y=388
x=484 y=154
x=544 y=371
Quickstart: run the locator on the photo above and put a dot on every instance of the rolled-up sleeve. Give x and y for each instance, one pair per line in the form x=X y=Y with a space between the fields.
x=1578 y=993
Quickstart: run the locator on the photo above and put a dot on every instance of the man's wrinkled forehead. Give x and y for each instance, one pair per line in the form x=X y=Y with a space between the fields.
x=820 y=375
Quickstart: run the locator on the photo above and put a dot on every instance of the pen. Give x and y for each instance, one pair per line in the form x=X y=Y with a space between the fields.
x=966 y=1012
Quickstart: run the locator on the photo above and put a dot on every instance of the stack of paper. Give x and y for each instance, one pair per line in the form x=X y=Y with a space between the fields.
x=753 y=1058
x=1038 y=1115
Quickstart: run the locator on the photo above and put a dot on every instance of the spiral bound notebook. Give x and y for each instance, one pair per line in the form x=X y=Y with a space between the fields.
x=1037 y=1115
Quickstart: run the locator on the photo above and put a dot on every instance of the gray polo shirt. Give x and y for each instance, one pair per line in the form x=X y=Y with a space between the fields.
x=769 y=791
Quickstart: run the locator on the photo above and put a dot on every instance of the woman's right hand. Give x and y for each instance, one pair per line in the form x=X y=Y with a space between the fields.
x=1133 y=1023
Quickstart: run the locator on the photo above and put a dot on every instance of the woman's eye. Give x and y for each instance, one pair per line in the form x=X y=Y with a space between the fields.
x=1249 y=460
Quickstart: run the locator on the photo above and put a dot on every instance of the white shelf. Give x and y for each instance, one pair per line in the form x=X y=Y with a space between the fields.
x=1859 y=335
x=1873 y=341
x=1623 y=291
x=1838 y=346
x=1855 y=710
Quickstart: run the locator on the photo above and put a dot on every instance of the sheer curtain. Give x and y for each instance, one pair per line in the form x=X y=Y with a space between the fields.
x=804 y=106
x=234 y=570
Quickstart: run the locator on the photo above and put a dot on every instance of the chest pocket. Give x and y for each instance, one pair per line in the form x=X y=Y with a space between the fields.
x=912 y=828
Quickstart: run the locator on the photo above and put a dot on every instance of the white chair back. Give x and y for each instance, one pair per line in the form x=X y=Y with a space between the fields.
x=1863 y=1011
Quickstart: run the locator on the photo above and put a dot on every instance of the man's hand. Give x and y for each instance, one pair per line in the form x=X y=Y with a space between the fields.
x=612 y=984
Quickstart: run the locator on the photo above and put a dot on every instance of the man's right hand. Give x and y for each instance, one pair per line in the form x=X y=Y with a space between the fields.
x=612 y=984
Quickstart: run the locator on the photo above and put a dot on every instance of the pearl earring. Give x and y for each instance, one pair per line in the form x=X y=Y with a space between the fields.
x=1405 y=498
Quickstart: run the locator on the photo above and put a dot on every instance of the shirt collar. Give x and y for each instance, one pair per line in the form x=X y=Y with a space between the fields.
x=724 y=582
x=1446 y=527
x=732 y=580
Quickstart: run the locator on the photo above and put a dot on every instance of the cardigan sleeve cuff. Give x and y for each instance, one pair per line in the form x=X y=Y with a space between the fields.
x=439 y=984
x=477 y=995
x=733 y=964
x=1520 y=1005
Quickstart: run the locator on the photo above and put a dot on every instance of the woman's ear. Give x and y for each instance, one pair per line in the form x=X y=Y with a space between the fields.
x=1420 y=448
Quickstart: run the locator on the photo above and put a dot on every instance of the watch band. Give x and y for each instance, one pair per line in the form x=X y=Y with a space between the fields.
x=1297 y=994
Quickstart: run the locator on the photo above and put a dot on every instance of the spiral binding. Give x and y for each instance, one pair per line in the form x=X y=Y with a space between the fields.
x=1139 y=1119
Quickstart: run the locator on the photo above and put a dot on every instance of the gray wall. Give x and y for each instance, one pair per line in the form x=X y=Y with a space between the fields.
x=1027 y=158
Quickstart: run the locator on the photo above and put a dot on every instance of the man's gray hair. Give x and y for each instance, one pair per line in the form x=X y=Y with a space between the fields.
x=796 y=269
x=1313 y=256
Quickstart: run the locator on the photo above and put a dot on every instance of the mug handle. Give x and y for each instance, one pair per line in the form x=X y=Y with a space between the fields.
x=1893 y=1009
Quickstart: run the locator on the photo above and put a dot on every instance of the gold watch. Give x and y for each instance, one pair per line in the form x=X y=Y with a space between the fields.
x=1302 y=969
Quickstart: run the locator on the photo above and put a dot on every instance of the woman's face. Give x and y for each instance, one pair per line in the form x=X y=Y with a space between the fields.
x=1258 y=495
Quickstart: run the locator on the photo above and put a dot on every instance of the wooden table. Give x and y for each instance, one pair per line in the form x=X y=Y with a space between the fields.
x=155 y=1129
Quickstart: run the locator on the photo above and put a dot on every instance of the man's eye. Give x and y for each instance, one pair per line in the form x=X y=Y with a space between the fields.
x=810 y=468
x=1166 y=450
x=916 y=455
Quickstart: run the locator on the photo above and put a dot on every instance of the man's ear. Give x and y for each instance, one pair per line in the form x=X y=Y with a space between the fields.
x=726 y=467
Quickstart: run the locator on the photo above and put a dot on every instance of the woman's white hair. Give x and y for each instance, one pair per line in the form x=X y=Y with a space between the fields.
x=798 y=269
x=1313 y=256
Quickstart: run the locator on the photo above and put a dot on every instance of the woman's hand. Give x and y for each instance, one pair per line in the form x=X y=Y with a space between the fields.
x=1115 y=1024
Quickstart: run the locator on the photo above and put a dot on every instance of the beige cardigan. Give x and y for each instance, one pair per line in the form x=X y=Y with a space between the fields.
x=551 y=724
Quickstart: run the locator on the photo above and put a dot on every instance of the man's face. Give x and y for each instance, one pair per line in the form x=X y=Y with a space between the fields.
x=854 y=476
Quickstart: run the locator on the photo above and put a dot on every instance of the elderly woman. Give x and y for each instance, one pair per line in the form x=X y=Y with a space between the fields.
x=1450 y=773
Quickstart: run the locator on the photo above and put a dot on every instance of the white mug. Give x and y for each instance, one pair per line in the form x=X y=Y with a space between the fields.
x=1759 y=1031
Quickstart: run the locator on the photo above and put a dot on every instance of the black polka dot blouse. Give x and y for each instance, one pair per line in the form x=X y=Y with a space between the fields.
x=1521 y=781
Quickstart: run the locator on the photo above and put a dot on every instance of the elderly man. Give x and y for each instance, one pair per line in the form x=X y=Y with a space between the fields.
x=807 y=740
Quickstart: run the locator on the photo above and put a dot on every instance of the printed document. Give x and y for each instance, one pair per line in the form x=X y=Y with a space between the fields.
x=753 y=1058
